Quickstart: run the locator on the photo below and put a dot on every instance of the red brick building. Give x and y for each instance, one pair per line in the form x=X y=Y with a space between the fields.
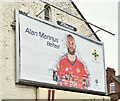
x=113 y=84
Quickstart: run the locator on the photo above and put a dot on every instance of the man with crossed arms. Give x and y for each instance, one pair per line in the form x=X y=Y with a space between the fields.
x=70 y=69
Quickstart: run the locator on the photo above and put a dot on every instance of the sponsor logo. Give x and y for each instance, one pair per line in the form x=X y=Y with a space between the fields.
x=95 y=54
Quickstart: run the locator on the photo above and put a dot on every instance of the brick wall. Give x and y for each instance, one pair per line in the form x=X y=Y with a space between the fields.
x=109 y=73
x=116 y=95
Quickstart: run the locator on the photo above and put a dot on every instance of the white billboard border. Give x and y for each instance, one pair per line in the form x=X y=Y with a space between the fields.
x=18 y=80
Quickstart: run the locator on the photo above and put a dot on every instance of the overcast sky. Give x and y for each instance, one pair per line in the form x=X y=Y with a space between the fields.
x=103 y=13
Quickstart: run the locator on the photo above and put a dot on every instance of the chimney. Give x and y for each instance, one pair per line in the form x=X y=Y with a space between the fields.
x=109 y=73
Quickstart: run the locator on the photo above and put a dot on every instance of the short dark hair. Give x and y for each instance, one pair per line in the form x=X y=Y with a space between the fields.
x=70 y=36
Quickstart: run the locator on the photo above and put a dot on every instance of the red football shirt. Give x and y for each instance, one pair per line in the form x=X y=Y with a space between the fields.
x=72 y=73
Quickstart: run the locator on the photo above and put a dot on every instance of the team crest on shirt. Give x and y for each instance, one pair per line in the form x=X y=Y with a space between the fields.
x=78 y=70
x=66 y=69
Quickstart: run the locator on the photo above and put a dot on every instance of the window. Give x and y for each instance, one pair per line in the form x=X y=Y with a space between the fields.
x=47 y=13
x=112 y=87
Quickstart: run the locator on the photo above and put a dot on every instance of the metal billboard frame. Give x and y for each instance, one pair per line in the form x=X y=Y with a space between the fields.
x=18 y=80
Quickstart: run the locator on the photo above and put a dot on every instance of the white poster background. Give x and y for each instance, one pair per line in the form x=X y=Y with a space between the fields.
x=39 y=60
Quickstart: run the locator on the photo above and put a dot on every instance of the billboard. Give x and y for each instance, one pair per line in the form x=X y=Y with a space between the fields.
x=52 y=56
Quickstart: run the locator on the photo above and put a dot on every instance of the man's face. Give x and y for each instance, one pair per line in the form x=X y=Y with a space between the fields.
x=71 y=45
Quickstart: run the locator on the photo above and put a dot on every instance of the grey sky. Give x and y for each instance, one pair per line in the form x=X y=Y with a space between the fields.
x=103 y=13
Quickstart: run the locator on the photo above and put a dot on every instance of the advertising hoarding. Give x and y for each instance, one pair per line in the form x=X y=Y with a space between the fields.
x=48 y=54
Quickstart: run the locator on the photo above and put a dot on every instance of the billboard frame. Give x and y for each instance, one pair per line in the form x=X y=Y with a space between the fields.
x=18 y=80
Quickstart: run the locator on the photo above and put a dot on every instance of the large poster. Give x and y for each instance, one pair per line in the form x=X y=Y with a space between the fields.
x=48 y=53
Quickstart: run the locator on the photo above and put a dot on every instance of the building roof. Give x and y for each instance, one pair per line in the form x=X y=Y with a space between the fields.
x=110 y=69
x=85 y=20
x=117 y=78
